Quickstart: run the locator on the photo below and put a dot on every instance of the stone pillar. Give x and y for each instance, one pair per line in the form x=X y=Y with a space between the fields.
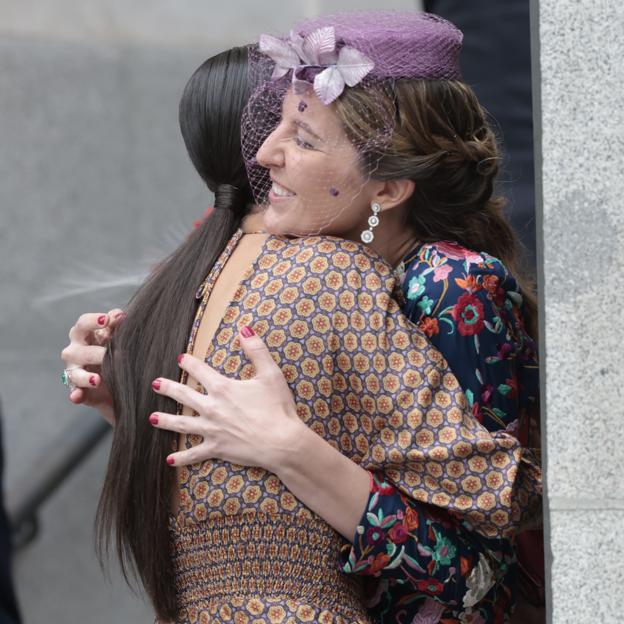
x=579 y=115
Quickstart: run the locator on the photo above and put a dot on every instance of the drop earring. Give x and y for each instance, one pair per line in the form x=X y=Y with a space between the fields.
x=367 y=236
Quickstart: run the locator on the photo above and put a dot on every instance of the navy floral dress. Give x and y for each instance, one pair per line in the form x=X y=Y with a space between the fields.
x=424 y=565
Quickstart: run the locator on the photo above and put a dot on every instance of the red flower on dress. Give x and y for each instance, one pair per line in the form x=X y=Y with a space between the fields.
x=411 y=518
x=398 y=533
x=512 y=382
x=490 y=283
x=375 y=536
x=429 y=325
x=468 y=314
x=430 y=586
x=385 y=489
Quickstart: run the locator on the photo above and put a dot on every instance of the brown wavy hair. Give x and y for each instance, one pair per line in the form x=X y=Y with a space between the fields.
x=441 y=140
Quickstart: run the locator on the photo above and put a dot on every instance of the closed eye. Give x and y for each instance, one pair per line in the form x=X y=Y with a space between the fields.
x=303 y=143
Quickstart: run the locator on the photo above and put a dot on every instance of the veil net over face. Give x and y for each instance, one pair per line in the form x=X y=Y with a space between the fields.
x=322 y=112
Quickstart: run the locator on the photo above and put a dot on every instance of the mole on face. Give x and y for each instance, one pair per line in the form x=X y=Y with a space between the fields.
x=302 y=106
x=334 y=192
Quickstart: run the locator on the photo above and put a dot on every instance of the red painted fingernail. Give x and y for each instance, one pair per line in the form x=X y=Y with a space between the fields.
x=93 y=380
x=180 y=358
x=153 y=419
x=247 y=332
x=156 y=384
x=102 y=319
x=170 y=461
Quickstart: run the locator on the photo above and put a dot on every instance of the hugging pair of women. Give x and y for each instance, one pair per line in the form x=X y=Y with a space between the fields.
x=343 y=434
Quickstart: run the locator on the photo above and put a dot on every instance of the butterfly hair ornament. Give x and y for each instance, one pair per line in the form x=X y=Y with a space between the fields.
x=317 y=59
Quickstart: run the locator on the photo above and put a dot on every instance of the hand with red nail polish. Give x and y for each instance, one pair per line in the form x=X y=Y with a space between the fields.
x=83 y=356
x=252 y=422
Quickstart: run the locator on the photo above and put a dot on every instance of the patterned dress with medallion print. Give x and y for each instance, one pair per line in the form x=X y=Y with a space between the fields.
x=369 y=382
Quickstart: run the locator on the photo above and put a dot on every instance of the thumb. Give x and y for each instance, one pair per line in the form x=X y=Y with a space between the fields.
x=257 y=352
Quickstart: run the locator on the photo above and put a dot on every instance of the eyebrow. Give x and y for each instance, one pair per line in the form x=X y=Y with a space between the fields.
x=304 y=126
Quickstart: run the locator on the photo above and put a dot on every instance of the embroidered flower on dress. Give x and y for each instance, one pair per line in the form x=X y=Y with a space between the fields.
x=398 y=534
x=429 y=325
x=468 y=314
x=444 y=552
x=430 y=586
x=457 y=252
x=441 y=272
x=416 y=287
x=374 y=536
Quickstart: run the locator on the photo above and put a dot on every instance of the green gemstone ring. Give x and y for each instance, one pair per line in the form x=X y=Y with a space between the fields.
x=66 y=379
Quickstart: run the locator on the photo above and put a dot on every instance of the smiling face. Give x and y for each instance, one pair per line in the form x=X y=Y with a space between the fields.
x=318 y=186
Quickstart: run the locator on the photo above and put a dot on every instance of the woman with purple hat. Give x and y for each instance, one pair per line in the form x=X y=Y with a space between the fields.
x=358 y=127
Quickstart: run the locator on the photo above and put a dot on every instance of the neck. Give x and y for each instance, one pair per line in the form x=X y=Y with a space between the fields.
x=393 y=240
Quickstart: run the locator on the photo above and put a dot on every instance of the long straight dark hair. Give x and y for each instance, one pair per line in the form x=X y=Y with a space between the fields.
x=133 y=509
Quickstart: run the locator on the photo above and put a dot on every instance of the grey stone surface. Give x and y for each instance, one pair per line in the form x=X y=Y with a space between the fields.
x=587 y=568
x=582 y=285
x=583 y=158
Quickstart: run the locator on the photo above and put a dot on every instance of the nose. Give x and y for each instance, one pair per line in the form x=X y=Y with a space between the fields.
x=271 y=154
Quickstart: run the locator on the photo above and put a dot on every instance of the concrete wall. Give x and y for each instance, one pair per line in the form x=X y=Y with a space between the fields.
x=94 y=183
x=582 y=152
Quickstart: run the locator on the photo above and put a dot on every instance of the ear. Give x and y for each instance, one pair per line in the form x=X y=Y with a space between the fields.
x=393 y=193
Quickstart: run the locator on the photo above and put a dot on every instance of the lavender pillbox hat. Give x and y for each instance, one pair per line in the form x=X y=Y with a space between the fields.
x=401 y=44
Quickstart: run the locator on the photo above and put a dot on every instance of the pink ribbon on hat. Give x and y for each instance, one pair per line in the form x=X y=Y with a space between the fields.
x=347 y=66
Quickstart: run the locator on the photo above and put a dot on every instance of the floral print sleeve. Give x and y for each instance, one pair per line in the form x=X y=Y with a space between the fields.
x=413 y=543
x=425 y=561
x=471 y=309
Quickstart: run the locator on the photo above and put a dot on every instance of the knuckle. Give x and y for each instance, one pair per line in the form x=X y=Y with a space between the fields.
x=274 y=377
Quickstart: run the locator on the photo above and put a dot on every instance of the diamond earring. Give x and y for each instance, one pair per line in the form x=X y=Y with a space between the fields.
x=367 y=236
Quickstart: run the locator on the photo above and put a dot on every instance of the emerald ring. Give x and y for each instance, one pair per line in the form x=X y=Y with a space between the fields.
x=66 y=378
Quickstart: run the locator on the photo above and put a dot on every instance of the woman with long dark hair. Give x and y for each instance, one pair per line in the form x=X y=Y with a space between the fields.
x=123 y=491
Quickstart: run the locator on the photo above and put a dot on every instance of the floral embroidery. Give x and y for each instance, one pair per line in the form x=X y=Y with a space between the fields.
x=468 y=314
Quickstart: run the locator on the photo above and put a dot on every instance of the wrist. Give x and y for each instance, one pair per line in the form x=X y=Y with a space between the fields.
x=292 y=440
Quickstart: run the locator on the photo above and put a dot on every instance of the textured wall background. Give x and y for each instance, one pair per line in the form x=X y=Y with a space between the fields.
x=94 y=183
x=582 y=149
